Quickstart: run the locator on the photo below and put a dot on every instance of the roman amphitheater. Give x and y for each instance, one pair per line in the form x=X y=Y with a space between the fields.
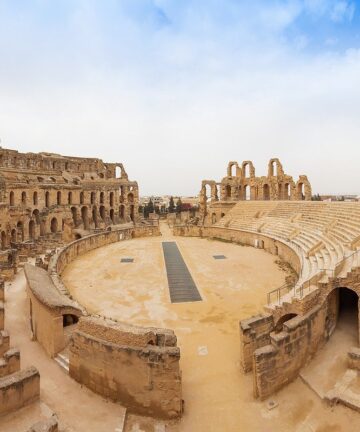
x=242 y=318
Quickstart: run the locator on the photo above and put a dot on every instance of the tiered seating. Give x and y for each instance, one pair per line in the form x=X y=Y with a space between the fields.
x=322 y=233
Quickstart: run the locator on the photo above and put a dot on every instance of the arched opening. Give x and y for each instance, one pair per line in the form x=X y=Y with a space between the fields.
x=35 y=198
x=58 y=198
x=132 y=212
x=53 y=225
x=13 y=235
x=70 y=198
x=122 y=212
x=246 y=169
x=20 y=232
x=282 y=320
x=112 y=216
x=12 y=198
x=118 y=172
x=228 y=191
x=81 y=197
x=287 y=191
x=102 y=198
x=3 y=240
x=301 y=191
x=266 y=192
x=69 y=319
x=131 y=197
x=207 y=192
x=342 y=315
x=92 y=197
x=111 y=199
x=74 y=215
x=233 y=170
x=213 y=218
x=246 y=193
x=84 y=217
x=102 y=212
x=36 y=215
x=94 y=216
x=77 y=236
x=23 y=198
x=274 y=168
x=47 y=199
x=32 y=229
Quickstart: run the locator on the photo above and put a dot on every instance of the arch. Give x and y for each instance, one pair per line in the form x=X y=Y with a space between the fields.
x=228 y=191
x=70 y=198
x=247 y=193
x=117 y=172
x=232 y=170
x=13 y=235
x=132 y=212
x=58 y=198
x=54 y=225
x=301 y=191
x=207 y=192
x=266 y=192
x=47 y=199
x=3 y=240
x=112 y=215
x=102 y=213
x=81 y=197
x=111 y=199
x=130 y=197
x=343 y=312
x=36 y=215
x=287 y=191
x=102 y=198
x=93 y=197
x=94 y=216
x=84 y=217
x=20 y=231
x=213 y=218
x=282 y=320
x=69 y=319
x=35 y=198
x=74 y=215
x=122 y=212
x=246 y=169
x=32 y=227
x=23 y=198
x=12 y=198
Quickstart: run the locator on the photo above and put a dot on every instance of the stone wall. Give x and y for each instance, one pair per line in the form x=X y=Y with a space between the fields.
x=132 y=365
x=258 y=240
x=19 y=389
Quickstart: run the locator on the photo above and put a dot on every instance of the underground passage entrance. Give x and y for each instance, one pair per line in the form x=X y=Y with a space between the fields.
x=343 y=313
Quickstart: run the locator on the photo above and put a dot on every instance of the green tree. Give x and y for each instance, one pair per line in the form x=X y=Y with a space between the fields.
x=171 y=205
x=179 y=206
x=150 y=206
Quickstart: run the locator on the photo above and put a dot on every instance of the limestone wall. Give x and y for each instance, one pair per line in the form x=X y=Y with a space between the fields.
x=267 y=243
x=135 y=366
x=19 y=389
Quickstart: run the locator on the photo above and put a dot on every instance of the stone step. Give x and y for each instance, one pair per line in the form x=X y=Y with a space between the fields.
x=63 y=362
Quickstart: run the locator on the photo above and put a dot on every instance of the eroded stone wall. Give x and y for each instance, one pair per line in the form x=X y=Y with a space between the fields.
x=135 y=366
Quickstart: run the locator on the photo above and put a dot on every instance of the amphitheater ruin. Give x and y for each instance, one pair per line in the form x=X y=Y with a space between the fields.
x=242 y=318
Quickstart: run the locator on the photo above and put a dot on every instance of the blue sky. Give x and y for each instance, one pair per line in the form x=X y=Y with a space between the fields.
x=177 y=88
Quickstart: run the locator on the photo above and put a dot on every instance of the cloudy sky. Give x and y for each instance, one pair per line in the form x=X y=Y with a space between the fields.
x=175 y=89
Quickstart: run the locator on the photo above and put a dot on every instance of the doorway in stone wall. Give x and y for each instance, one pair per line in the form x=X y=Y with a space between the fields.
x=342 y=314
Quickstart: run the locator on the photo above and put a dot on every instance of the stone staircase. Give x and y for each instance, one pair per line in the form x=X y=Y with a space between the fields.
x=63 y=361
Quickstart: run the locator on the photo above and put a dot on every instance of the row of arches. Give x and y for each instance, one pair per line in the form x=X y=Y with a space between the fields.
x=65 y=198
x=247 y=192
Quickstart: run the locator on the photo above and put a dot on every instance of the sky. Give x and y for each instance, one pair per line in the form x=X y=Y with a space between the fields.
x=175 y=89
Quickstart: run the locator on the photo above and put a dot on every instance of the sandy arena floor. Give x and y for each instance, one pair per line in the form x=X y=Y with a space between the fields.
x=218 y=397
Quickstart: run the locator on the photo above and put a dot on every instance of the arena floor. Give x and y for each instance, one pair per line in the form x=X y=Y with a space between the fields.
x=217 y=395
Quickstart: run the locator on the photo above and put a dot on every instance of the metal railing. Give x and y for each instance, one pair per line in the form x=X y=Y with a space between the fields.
x=313 y=280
